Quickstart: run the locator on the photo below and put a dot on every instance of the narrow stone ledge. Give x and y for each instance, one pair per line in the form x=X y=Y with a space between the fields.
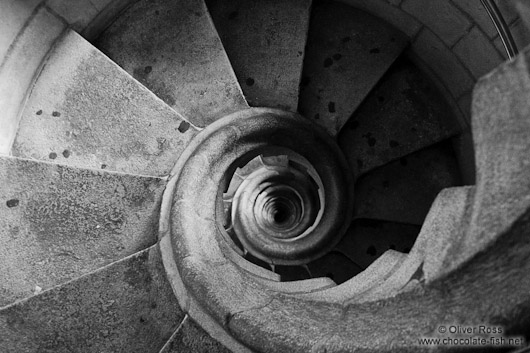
x=20 y=66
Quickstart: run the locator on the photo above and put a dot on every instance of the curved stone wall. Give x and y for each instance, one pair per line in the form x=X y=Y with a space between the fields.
x=28 y=30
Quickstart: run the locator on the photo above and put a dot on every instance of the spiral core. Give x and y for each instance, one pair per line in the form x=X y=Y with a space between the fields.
x=274 y=202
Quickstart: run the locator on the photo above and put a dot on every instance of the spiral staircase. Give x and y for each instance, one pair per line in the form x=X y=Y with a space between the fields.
x=250 y=176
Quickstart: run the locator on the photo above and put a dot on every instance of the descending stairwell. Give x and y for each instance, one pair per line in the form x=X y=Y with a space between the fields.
x=128 y=161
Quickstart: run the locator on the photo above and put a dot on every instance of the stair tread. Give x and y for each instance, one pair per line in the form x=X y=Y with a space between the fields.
x=366 y=240
x=172 y=48
x=58 y=222
x=348 y=51
x=128 y=306
x=265 y=42
x=403 y=114
x=86 y=111
x=403 y=191
x=436 y=251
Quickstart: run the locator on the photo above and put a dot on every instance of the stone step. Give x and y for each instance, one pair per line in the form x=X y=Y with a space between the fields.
x=348 y=51
x=173 y=48
x=404 y=190
x=366 y=240
x=265 y=42
x=128 y=306
x=58 y=222
x=404 y=113
x=86 y=111
x=435 y=249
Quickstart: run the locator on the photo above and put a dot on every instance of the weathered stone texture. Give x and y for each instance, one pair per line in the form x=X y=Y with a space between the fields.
x=58 y=222
x=345 y=46
x=267 y=61
x=172 y=48
x=86 y=111
x=127 y=306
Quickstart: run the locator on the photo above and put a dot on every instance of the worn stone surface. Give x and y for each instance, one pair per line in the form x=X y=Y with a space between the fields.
x=367 y=240
x=403 y=191
x=172 y=48
x=265 y=42
x=476 y=52
x=127 y=306
x=17 y=70
x=207 y=282
x=489 y=290
x=443 y=62
x=58 y=222
x=441 y=16
x=441 y=236
x=500 y=131
x=404 y=113
x=86 y=111
x=389 y=13
x=191 y=338
x=348 y=51
x=297 y=334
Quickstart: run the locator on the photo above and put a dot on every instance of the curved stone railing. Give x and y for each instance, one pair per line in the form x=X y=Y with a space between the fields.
x=502 y=28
